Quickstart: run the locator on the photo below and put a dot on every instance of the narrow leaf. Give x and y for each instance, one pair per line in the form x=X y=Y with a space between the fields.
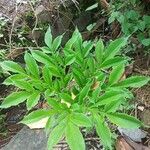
x=31 y=65
x=114 y=47
x=80 y=120
x=12 y=67
x=124 y=120
x=116 y=74
x=41 y=57
x=103 y=132
x=37 y=116
x=15 y=99
x=134 y=81
x=99 y=51
x=56 y=135
x=48 y=38
x=33 y=99
x=74 y=137
x=112 y=62
x=57 y=42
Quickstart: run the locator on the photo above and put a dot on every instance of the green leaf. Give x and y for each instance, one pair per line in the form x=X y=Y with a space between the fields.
x=87 y=48
x=55 y=71
x=116 y=74
x=31 y=65
x=112 y=62
x=48 y=38
x=36 y=116
x=66 y=97
x=41 y=57
x=92 y=7
x=91 y=26
x=99 y=51
x=146 y=42
x=134 y=81
x=74 y=137
x=70 y=59
x=124 y=120
x=47 y=76
x=73 y=39
x=57 y=42
x=16 y=77
x=25 y=85
x=15 y=99
x=112 y=106
x=81 y=120
x=53 y=103
x=84 y=92
x=33 y=99
x=12 y=67
x=108 y=97
x=114 y=47
x=56 y=135
x=91 y=64
x=103 y=132
x=46 y=49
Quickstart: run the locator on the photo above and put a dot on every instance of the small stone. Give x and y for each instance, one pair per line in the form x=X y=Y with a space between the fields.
x=145 y=117
x=134 y=134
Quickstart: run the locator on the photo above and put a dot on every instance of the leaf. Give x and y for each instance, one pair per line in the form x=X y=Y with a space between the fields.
x=91 y=26
x=124 y=120
x=48 y=38
x=87 y=48
x=16 y=77
x=84 y=92
x=112 y=62
x=31 y=65
x=108 y=97
x=55 y=71
x=73 y=39
x=46 y=49
x=15 y=99
x=92 y=7
x=146 y=42
x=47 y=76
x=12 y=66
x=91 y=64
x=103 y=132
x=99 y=51
x=116 y=74
x=37 y=116
x=114 y=47
x=56 y=135
x=56 y=43
x=112 y=106
x=74 y=137
x=25 y=85
x=41 y=57
x=66 y=97
x=134 y=81
x=70 y=59
x=53 y=103
x=33 y=99
x=80 y=120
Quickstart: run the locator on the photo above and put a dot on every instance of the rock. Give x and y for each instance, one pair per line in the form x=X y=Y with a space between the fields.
x=145 y=117
x=43 y=15
x=83 y=21
x=134 y=134
x=28 y=139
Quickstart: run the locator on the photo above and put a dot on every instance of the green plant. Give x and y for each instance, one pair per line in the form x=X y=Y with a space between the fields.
x=81 y=82
x=132 y=20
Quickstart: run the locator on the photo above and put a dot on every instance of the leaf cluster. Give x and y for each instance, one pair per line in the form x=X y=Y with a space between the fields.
x=82 y=84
